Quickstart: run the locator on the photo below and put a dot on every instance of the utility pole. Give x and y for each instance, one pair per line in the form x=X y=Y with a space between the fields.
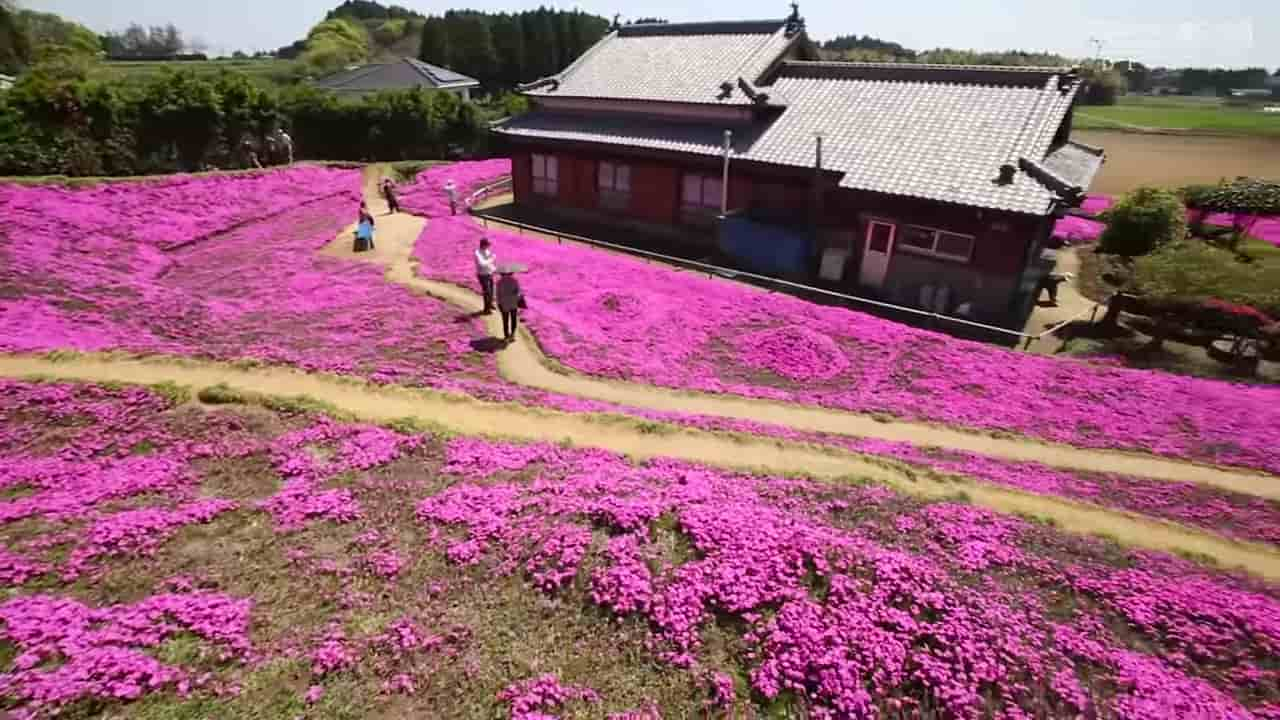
x=724 y=181
x=1097 y=45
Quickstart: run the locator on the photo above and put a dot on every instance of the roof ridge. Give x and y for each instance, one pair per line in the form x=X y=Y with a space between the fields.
x=751 y=56
x=717 y=27
x=1029 y=69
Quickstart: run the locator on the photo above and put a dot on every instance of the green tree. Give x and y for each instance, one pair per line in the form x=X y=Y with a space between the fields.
x=15 y=46
x=184 y=112
x=1142 y=221
x=335 y=43
x=508 y=39
x=435 y=43
x=1246 y=200
x=51 y=35
x=471 y=45
x=541 y=44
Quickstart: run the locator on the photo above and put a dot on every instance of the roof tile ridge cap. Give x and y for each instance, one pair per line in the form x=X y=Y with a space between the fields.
x=422 y=67
x=1057 y=100
x=764 y=43
x=1017 y=148
x=1091 y=149
x=1047 y=177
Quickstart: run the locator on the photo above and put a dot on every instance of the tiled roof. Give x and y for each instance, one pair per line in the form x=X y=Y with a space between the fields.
x=972 y=135
x=647 y=133
x=929 y=132
x=686 y=62
x=1076 y=163
x=404 y=74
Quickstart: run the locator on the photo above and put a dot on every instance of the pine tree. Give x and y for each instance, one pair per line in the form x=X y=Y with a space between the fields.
x=435 y=43
x=508 y=40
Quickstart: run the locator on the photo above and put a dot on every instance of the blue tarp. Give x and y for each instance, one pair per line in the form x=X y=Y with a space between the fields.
x=766 y=249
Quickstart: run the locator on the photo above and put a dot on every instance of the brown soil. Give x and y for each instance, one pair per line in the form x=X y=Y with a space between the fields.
x=1135 y=159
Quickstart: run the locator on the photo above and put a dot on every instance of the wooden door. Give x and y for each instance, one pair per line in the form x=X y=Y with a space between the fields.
x=875 y=259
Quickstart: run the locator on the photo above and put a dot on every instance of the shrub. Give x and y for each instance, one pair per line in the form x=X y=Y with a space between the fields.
x=1142 y=221
x=1192 y=271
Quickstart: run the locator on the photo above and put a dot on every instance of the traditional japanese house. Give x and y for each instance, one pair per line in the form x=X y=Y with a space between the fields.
x=928 y=185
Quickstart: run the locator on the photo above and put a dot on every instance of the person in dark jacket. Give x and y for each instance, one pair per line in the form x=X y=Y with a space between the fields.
x=389 y=192
x=510 y=299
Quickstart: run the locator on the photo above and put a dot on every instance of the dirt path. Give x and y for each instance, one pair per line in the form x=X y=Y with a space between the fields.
x=628 y=436
x=523 y=363
x=1071 y=304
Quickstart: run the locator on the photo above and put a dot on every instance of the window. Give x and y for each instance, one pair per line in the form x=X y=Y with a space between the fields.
x=546 y=174
x=614 y=183
x=700 y=197
x=937 y=243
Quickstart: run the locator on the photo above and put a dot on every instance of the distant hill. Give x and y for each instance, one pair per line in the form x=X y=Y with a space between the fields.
x=392 y=31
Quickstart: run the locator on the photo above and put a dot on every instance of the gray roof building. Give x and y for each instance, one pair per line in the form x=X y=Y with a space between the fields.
x=404 y=74
x=986 y=137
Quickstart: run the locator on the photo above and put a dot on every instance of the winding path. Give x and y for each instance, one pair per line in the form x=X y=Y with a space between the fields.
x=524 y=364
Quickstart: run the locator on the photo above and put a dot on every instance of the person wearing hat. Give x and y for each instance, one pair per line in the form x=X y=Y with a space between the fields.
x=510 y=298
x=486 y=265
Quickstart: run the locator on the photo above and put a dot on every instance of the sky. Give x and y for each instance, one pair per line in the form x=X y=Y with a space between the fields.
x=1175 y=33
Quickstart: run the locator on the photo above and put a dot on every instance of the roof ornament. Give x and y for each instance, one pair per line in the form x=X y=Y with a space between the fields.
x=756 y=96
x=795 y=23
x=617 y=22
x=1007 y=173
x=726 y=90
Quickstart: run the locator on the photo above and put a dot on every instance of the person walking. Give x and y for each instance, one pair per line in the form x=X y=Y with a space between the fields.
x=389 y=192
x=364 y=229
x=287 y=141
x=1051 y=282
x=510 y=300
x=486 y=266
x=452 y=191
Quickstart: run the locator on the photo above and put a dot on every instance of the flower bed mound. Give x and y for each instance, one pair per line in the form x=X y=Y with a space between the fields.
x=683 y=332
x=221 y=286
x=797 y=353
x=655 y=589
x=426 y=194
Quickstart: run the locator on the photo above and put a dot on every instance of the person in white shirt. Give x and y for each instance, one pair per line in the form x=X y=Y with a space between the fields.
x=486 y=265
x=452 y=191
x=288 y=144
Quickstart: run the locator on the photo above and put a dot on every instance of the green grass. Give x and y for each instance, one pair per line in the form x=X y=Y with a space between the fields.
x=266 y=71
x=1206 y=115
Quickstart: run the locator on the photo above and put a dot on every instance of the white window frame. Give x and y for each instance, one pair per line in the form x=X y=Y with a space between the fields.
x=933 y=251
x=545 y=170
x=613 y=181
x=709 y=191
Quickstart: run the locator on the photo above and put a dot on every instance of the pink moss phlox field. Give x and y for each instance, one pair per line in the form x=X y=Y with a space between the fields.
x=614 y=316
x=310 y=457
x=1240 y=516
x=258 y=290
x=68 y=652
x=426 y=195
x=530 y=698
x=1076 y=230
x=944 y=606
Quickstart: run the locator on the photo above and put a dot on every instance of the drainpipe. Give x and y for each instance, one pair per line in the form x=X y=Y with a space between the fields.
x=724 y=181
